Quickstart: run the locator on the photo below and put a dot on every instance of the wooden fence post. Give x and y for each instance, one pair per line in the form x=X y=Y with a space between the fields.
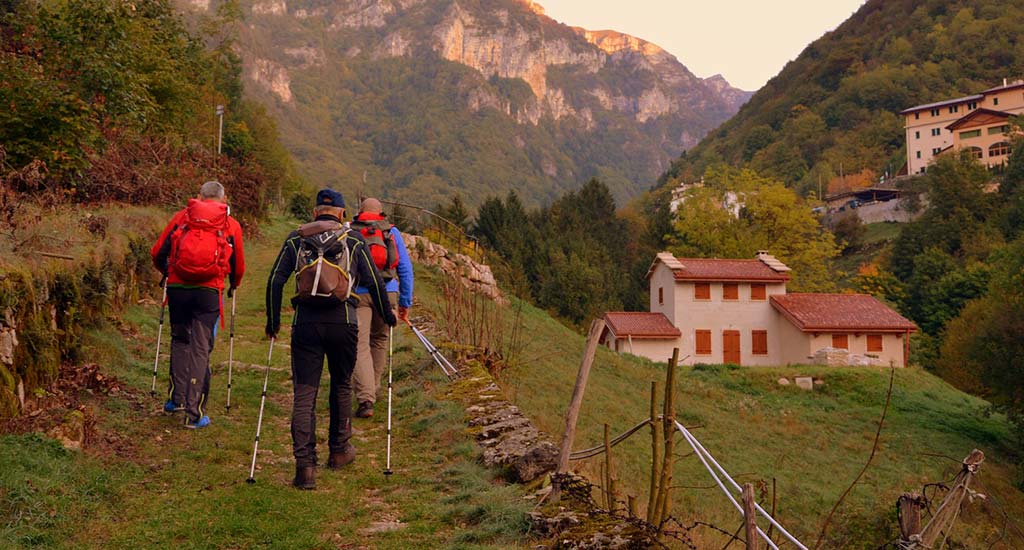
x=652 y=499
x=750 y=517
x=609 y=496
x=948 y=511
x=910 y=518
x=664 y=503
x=572 y=415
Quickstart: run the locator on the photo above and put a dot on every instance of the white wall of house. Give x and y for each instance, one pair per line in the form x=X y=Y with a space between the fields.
x=655 y=349
x=892 y=346
x=794 y=346
x=663 y=279
x=719 y=315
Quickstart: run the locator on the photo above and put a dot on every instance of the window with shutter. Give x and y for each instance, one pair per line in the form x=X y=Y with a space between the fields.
x=661 y=295
x=874 y=342
x=703 y=342
x=730 y=291
x=758 y=291
x=702 y=291
x=759 y=342
x=841 y=341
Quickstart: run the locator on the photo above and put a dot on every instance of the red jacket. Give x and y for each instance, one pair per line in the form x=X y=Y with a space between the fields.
x=162 y=248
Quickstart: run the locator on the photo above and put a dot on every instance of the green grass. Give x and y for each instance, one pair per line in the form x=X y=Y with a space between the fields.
x=186 y=489
x=812 y=444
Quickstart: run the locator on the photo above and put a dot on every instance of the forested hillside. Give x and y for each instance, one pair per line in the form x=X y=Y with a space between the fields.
x=422 y=99
x=835 y=107
x=115 y=101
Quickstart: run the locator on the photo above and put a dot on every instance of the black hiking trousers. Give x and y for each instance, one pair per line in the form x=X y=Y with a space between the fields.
x=194 y=313
x=310 y=344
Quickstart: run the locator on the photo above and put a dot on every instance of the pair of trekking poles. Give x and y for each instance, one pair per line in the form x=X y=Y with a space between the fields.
x=263 y=398
x=160 y=334
x=450 y=371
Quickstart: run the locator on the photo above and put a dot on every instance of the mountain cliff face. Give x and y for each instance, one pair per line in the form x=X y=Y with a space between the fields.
x=423 y=98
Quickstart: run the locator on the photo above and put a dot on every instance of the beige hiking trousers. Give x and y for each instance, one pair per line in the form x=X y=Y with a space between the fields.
x=371 y=349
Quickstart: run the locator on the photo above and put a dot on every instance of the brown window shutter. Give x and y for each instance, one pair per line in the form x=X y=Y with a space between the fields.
x=841 y=341
x=759 y=342
x=874 y=342
x=758 y=291
x=730 y=291
x=661 y=295
x=703 y=342
x=702 y=291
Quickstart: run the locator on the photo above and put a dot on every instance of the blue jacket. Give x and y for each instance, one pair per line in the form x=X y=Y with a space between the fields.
x=404 y=283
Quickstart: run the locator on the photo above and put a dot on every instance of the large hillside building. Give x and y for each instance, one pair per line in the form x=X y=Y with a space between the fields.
x=738 y=311
x=976 y=122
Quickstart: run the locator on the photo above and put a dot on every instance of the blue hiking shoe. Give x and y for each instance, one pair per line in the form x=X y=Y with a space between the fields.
x=203 y=422
x=170 y=407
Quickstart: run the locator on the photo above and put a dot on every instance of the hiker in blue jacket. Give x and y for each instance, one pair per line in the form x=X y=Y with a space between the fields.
x=392 y=260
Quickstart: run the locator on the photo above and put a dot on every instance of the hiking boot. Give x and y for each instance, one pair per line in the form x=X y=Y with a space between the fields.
x=365 y=410
x=170 y=407
x=339 y=460
x=203 y=422
x=305 y=477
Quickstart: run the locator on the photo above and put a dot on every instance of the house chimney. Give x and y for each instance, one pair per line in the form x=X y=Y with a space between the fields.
x=1004 y=82
x=771 y=261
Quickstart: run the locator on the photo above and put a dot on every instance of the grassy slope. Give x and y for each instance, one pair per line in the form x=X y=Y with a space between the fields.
x=811 y=443
x=186 y=489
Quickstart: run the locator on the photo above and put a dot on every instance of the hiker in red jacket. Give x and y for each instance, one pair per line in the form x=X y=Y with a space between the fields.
x=200 y=246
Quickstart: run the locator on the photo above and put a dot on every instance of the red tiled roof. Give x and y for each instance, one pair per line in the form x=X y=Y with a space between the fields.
x=990 y=117
x=714 y=269
x=840 y=313
x=640 y=325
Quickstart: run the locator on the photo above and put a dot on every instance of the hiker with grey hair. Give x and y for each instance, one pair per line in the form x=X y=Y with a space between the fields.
x=201 y=245
x=387 y=249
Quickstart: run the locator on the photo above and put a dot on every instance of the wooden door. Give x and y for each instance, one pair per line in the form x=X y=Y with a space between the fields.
x=731 y=347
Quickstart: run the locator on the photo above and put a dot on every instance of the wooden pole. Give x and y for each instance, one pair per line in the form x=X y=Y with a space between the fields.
x=652 y=499
x=572 y=415
x=750 y=517
x=948 y=511
x=664 y=504
x=609 y=498
x=910 y=518
x=631 y=504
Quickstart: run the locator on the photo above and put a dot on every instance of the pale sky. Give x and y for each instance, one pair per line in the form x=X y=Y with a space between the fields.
x=747 y=41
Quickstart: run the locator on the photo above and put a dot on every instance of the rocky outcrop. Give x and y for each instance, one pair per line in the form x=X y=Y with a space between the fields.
x=270 y=7
x=272 y=77
x=472 y=274
x=733 y=96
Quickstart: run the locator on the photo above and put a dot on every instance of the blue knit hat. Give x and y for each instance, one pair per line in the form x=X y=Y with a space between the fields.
x=330 y=197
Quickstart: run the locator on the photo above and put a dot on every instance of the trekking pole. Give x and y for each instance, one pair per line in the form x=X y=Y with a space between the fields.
x=449 y=370
x=159 y=336
x=259 y=421
x=391 y=354
x=231 y=348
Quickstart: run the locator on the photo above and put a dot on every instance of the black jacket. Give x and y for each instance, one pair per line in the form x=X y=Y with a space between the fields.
x=363 y=271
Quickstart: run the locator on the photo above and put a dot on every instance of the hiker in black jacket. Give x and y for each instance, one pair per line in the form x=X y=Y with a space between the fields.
x=324 y=325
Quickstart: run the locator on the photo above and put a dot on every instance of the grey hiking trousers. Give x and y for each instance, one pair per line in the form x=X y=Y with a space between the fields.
x=194 y=313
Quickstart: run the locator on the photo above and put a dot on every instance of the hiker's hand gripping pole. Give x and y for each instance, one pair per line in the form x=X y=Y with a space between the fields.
x=259 y=421
x=159 y=335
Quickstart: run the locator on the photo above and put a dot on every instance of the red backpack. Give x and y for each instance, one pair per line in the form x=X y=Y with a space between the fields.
x=200 y=251
x=383 y=251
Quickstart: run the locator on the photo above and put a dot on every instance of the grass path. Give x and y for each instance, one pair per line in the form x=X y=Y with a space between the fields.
x=186 y=489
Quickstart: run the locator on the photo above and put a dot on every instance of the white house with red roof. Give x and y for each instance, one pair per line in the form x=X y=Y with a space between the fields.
x=738 y=311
